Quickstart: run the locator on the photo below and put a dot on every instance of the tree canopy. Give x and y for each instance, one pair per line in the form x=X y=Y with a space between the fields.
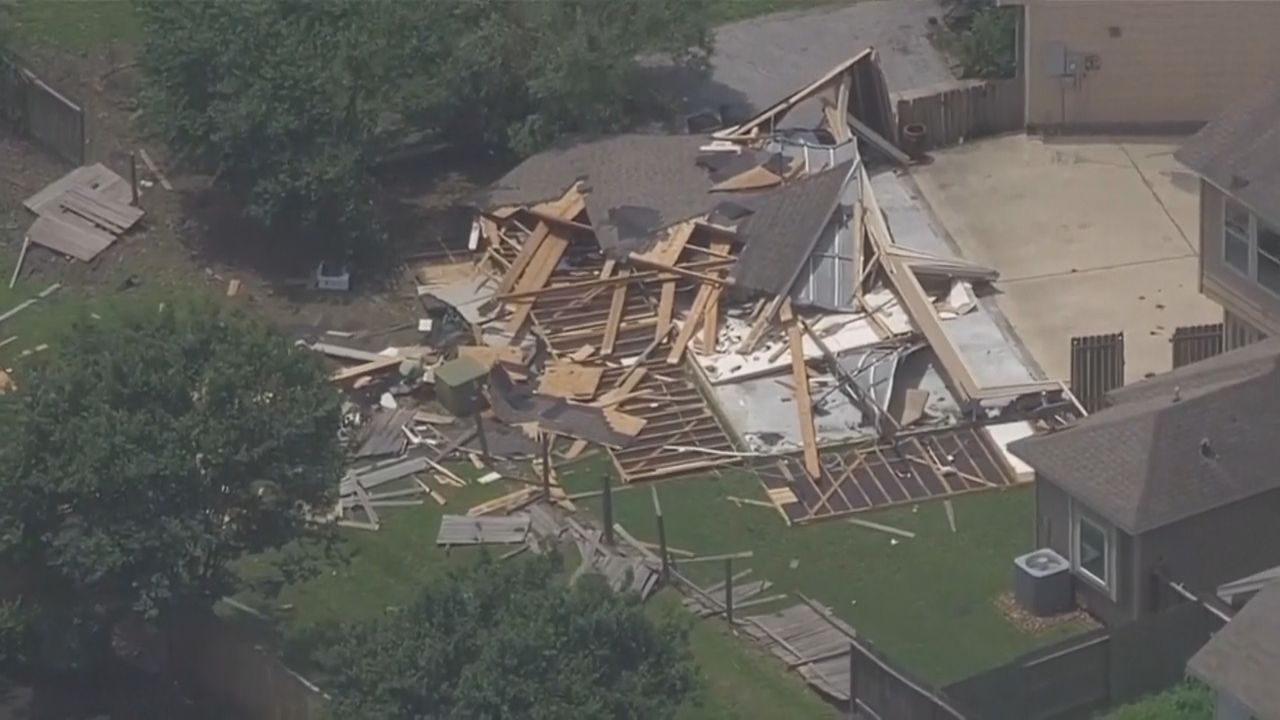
x=289 y=102
x=508 y=640
x=148 y=452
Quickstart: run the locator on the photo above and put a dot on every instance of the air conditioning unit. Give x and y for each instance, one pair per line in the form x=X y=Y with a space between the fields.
x=1042 y=583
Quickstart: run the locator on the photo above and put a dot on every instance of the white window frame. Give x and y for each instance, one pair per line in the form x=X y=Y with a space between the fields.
x=1080 y=515
x=1251 y=239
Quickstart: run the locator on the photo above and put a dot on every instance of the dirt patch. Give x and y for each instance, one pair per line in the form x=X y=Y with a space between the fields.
x=195 y=240
x=1034 y=625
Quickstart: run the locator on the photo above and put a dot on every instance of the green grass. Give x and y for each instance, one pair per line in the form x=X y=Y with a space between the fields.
x=1189 y=701
x=926 y=601
x=75 y=25
x=384 y=569
x=389 y=566
x=739 y=681
x=723 y=11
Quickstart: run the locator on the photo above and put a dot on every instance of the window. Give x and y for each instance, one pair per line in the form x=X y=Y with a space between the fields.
x=1236 y=234
x=1092 y=551
x=1268 y=256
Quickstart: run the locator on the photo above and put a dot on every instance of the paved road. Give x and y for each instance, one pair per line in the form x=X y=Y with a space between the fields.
x=759 y=61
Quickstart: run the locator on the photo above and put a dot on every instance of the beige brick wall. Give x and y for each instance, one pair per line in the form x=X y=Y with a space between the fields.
x=1173 y=62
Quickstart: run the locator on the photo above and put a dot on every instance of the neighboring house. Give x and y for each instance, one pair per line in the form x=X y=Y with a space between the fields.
x=1143 y=65
x=1237 y=157
x=1181 y=475
x=1242 y=662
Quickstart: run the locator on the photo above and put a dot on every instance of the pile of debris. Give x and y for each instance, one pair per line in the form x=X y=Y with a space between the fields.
x=81 y=214
x=757 y=295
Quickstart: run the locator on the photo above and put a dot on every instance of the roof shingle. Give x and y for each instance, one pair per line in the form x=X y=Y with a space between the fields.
x=1240 y=152
x=1174 y=446
x=1243 y=659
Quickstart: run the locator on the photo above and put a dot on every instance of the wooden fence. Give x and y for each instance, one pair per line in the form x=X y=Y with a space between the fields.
x=883 y=692
x=958 y=110
x=1097 y=368
x=1097 y=669
x=1193 y=343
x=34 y=108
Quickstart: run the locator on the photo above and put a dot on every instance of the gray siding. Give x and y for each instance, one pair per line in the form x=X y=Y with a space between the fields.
x=1053 y=530
x=1235 y=292
x=1215 y=547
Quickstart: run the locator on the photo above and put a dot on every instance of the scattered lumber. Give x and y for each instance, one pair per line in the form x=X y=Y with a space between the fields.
x=882 y=528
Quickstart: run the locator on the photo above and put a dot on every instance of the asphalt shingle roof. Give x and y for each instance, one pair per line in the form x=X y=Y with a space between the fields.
x=1158 y=456
x=783 y=228
x=1243 y=659
x=653 y=172
x=1240 y=152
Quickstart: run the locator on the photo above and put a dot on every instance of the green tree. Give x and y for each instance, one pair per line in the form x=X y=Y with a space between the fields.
x=987 y=47
x=511 y=641
x=289 y=102
x=150 y=450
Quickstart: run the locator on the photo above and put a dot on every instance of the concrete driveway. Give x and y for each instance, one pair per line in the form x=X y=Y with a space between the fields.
x=758 y=61
x=1090 y=235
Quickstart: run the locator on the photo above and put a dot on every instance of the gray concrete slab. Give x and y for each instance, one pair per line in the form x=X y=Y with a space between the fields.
x=993 y=354
x=761 y=60
x=1090 y=236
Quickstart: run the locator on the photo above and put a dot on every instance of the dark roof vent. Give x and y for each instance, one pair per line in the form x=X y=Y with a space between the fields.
x=1238 y=183
x=1177 y=393
x=1206 y=449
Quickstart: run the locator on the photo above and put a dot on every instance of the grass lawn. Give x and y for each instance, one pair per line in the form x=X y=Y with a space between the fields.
x=740 y=681
x=723 y=11
x=75 y=25
x=926 y=601
x=1190 y=701
x=389 y=566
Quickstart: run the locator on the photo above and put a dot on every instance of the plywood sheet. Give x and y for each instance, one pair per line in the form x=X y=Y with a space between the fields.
x=570 y=380
x=67 y=238
x=95 y=178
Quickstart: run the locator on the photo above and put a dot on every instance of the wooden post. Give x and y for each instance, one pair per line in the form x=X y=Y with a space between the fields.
x=133 y=176
x=17 y=269
x=484 y=441
x=662 y=537
x=607 y=502
x=546 y=466
x=728 y=590
x=853 y=681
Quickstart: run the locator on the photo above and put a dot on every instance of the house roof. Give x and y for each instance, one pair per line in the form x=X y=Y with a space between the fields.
x=1243 y=659
x=1174 y=446
x=1237 y=152
x=636 y=184
x=783 y=228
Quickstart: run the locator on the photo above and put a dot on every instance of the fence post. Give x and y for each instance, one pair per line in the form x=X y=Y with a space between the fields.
x=853 y=680
x=133 y=176
x=728 y=590
x=606 y=499
x=662 y=537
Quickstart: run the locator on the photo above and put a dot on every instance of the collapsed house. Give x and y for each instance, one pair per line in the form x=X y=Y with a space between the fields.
x=766 y=295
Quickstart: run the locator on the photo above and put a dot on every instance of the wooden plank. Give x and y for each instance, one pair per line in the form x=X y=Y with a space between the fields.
x=155 y=169
x=804 y=403
x=776 y=111
x=537 y=275
x=69 y=239
x=570 y=380
x=685 y=273
x=616 y=306
x=878 y=141
x=666 y=306
x=668 y=249
x=527 y=251
x=695 y=314
x=365 y=369
x=761 y=324
x=915 y=301
x=711 y=323
x=882 y=528
x=96 y=177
